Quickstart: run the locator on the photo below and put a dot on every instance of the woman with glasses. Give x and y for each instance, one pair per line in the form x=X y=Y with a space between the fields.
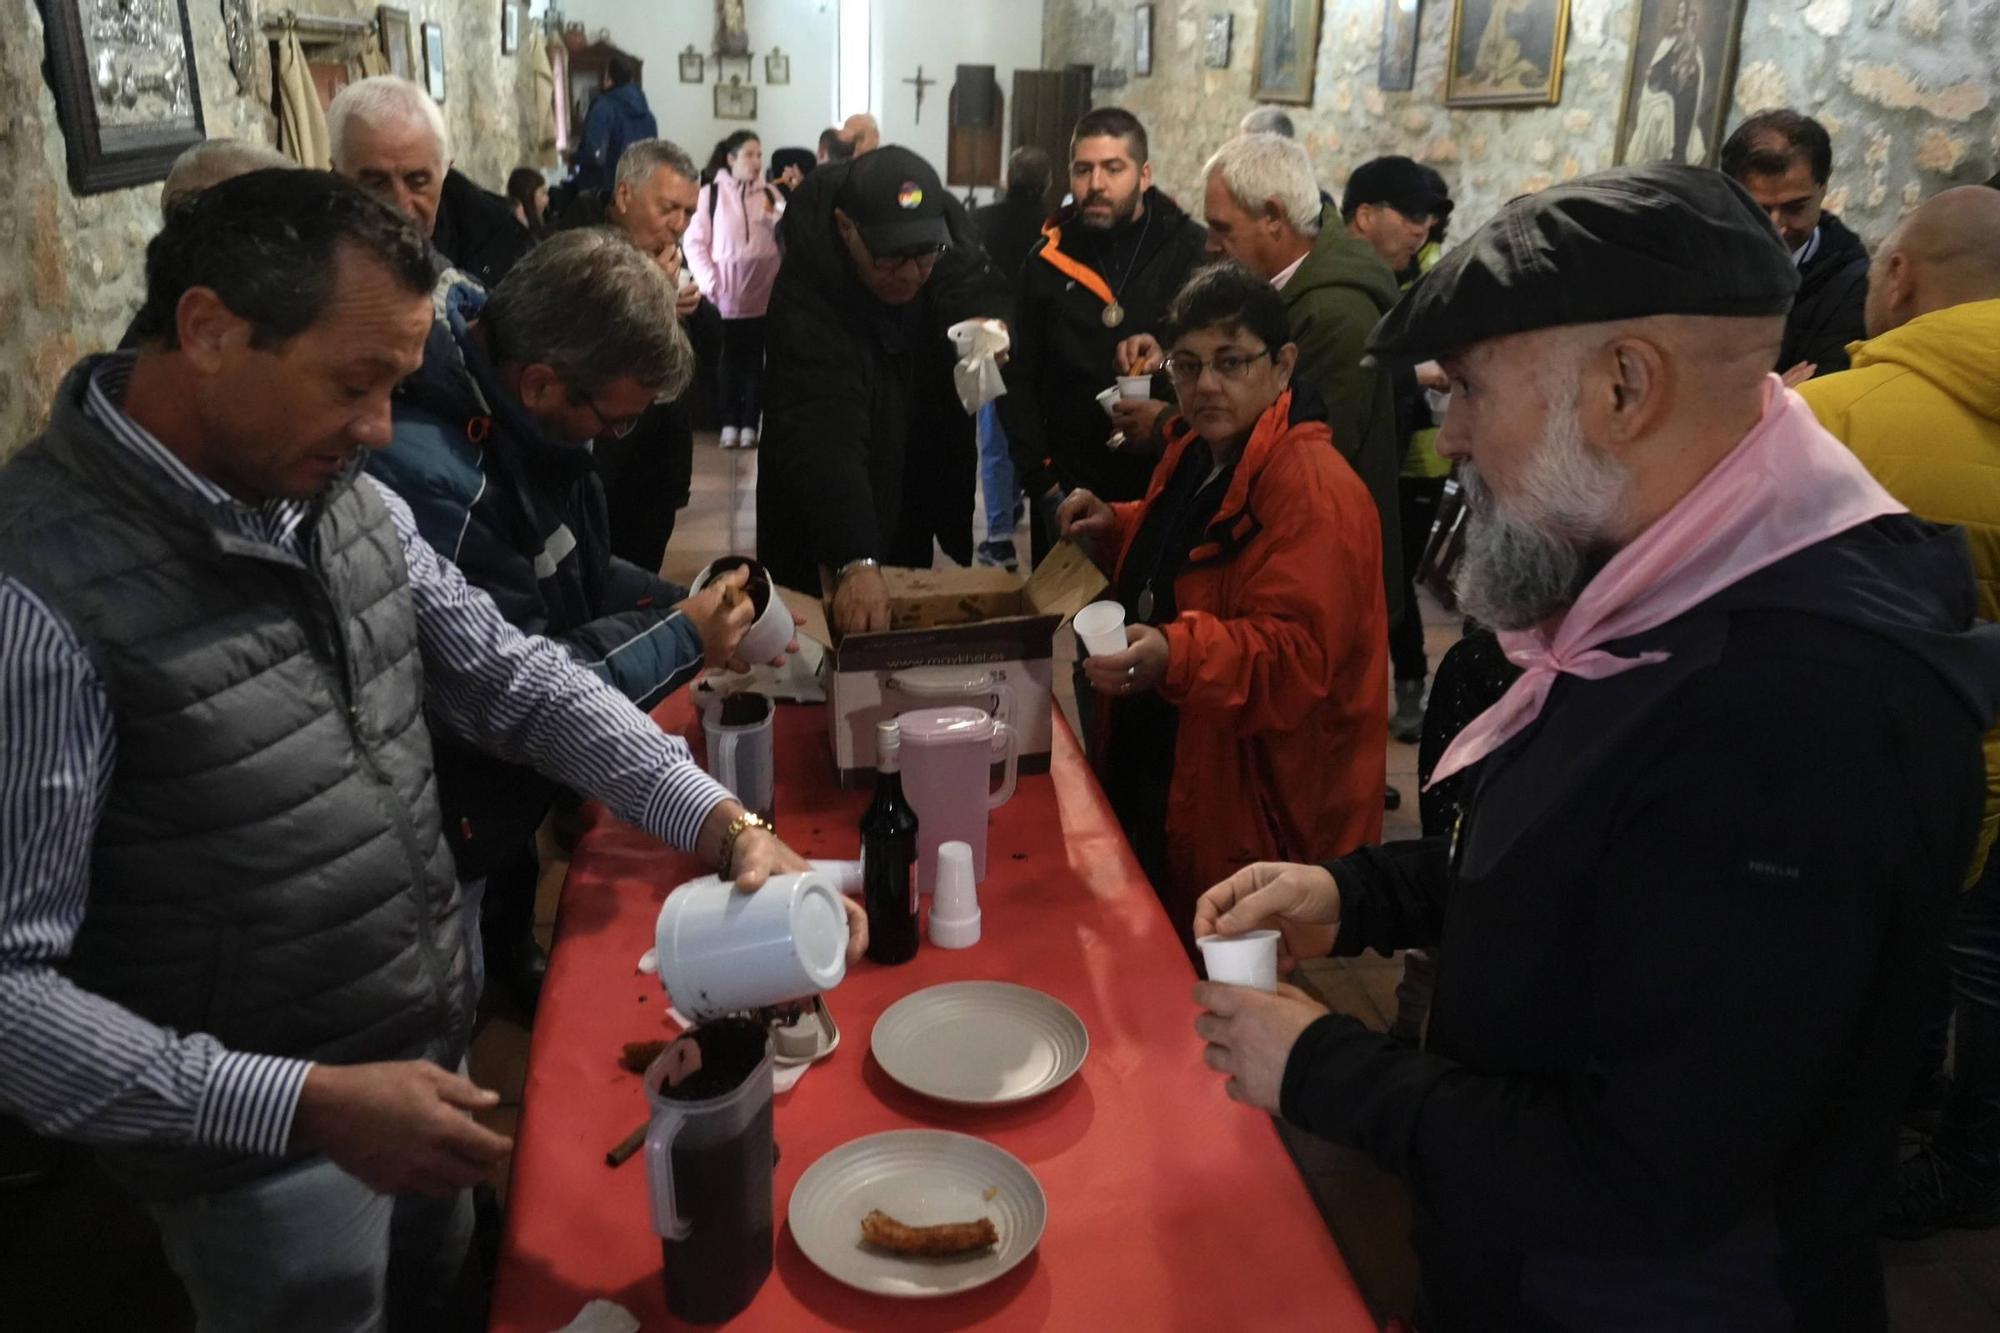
x=1247 y=717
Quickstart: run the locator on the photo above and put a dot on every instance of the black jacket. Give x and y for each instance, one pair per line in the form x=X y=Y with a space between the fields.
x=1693 y=915
x=1009 y=228
x=1827 y=312
x=1062 y=354
x=845 y=419
x=477 y=230
x=523 y=517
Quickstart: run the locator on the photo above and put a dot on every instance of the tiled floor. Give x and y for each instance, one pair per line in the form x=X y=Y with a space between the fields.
x=80 y=1225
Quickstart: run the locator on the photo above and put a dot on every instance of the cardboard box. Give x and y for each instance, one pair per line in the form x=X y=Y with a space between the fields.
x=976 y=636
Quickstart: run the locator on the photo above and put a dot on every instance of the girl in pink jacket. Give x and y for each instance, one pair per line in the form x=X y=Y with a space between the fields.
x=732 y=250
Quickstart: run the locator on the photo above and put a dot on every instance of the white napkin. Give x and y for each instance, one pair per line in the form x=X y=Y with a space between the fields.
x=977 y=374
x=602 y=1317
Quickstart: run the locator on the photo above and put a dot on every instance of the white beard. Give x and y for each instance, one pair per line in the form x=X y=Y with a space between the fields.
x=1529 y=558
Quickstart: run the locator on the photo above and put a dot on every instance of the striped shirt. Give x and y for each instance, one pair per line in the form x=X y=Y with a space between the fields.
x=79 y=1066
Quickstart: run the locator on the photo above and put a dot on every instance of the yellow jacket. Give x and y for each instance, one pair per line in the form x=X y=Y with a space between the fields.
x=1921 y=409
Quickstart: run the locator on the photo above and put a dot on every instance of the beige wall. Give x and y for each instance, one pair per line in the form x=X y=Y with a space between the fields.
x=72 y=269
x=1907 y=88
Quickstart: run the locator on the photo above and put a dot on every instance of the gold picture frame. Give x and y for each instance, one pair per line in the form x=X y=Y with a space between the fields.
x=1491 y=61
x=1287 y=52
x=1648 y=132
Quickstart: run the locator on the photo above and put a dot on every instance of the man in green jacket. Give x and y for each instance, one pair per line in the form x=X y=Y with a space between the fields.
x=1263 y=211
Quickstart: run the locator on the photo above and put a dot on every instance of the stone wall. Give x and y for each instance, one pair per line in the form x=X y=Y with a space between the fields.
x=1906 y=87
x=72 y=269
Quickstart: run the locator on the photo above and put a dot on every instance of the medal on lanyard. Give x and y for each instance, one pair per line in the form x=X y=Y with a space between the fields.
x=1113 y=315
x=1144 y=606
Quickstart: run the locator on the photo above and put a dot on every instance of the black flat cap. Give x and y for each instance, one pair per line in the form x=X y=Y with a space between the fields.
x=1620 y=244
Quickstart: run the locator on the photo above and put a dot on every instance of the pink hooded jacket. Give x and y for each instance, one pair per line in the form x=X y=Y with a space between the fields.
x=732 y=245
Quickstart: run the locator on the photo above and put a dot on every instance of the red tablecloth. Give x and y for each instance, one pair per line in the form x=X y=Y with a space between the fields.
x=1170 y=1207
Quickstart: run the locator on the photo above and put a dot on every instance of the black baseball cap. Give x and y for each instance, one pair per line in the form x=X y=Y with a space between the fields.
x=1659 y=239
x=1409 y=187
x=896 y=201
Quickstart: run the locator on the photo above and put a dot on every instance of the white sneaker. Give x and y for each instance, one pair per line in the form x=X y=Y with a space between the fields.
x=748 y=439
x=729 y=434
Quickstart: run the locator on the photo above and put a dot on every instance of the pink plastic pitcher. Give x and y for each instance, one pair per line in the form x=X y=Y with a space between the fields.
x=948 y=757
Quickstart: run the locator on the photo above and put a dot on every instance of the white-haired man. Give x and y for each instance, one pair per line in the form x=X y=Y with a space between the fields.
x=213 y=161
x=1697 y=891
x=389 y=137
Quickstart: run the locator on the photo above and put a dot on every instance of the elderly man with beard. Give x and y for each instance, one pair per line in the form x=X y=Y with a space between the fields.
x=1697 y=892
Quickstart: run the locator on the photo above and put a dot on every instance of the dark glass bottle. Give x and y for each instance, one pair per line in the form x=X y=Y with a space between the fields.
x=889 y=856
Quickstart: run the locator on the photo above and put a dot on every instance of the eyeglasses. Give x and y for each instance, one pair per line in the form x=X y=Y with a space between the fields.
x=615 y=427
x=923 y=259
x=1228 y=366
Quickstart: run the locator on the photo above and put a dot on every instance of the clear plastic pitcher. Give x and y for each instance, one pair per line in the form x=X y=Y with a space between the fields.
x=948 y=758
x=708 y=1166
x=740 y=754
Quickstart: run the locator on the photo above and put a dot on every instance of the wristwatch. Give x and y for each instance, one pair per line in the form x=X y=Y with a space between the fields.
x=738 y=826
x=865 y=562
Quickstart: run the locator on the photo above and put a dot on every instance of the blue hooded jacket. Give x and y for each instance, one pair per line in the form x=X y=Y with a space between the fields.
x=616 y=120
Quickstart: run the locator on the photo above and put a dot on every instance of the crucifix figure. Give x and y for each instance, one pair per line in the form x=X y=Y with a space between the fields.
x=922 y=83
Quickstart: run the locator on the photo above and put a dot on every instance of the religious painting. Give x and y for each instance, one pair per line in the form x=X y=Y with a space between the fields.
x=510 y=27
x=392 y=34
x=694 y=66
x=1506 y=52
x=777 y=68
x=1142 y=39
x=732 y=29
x=1287 y=50
x=1678 y=85
x=434 y=60
x=1396 y=71
x=1215 y=45
x=735 y=100
x=123 y=75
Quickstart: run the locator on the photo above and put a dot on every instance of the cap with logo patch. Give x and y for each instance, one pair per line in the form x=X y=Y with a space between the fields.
x=896 y=201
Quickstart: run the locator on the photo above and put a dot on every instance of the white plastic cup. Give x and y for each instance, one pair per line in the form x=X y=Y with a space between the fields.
x=767 y=636
x=1135 y=386
x=1249 y=959
x=1101 y=627
x=1108 y=399
x=962 y=335
x=955 y=904
x=721 y=951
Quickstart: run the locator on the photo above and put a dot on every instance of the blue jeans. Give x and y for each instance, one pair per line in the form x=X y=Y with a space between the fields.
x=313 y=1250
x=996 y=475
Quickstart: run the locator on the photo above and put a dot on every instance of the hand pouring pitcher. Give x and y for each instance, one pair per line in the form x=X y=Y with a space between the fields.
x=948 y=757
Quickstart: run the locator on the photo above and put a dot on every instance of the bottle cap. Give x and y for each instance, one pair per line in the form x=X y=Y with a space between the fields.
x=888 y=744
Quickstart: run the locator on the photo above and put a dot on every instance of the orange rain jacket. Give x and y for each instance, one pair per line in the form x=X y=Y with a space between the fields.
x=1278 y=663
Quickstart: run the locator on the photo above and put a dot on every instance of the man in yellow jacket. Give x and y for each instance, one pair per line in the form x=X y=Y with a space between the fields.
x=1921 y=408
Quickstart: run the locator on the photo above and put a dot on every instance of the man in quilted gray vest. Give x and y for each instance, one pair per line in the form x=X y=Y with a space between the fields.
x=231 y=951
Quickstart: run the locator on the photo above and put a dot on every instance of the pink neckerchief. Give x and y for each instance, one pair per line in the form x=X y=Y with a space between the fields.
x=1788 y=485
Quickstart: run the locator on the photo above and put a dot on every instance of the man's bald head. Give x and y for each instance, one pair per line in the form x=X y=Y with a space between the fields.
x=1946 y=253
x=861 y=130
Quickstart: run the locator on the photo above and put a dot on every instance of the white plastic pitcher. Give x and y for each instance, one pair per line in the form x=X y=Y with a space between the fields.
x=740 y=752
x=948 y=756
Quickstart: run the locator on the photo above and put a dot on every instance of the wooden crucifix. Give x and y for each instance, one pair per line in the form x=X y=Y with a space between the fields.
x=922 y=83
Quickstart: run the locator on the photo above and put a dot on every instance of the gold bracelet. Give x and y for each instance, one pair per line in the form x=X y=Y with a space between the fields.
x=738 y=826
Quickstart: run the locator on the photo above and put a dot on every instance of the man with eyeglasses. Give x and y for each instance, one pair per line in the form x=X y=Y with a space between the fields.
x=491 y=451
x=868 y=456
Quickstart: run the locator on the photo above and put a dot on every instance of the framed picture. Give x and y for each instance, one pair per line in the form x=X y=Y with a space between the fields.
x=734 y=69
x=434 y=60
x=732 y=28
x=777 y=67
x=125 y=89
x=1142 y=39
x=1287 y=51
x=392 y=32
x=1506 y=52
x=694 y=65
x=1215 y=42
x=735 y=100
x=1397 y=72
x=1678 y=85
x=510 y=27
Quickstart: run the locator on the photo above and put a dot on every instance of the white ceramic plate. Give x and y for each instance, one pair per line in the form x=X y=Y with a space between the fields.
x=921 y=1177
x=980 y=1043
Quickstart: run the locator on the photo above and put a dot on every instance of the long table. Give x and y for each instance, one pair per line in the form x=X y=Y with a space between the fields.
x=1170 y=1207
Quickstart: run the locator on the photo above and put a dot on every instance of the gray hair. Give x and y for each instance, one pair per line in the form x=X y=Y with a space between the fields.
x=213 y=161
x=1262 y=168
x=590 y=306
x=1267 y=120
x=643 y=157
x=383 y=99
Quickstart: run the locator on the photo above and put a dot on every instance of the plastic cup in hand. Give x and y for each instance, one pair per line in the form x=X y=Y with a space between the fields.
x=1101 y=627
x=1109 y=399
x=1242 y=960
x=955 y=904
x=1135 y=386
